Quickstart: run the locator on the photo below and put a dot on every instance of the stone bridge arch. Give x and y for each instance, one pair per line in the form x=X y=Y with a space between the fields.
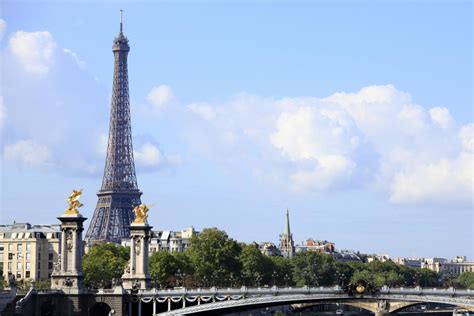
x=99 y=309
x=379 y=305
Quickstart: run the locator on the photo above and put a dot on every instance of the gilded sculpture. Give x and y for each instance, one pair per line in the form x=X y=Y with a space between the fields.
x=73 y=201
x=141 y=214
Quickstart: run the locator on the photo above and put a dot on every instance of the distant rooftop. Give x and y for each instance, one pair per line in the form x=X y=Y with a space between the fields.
x=27 y=227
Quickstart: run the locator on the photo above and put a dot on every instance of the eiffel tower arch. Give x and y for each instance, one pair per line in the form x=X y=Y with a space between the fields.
x=119 y=193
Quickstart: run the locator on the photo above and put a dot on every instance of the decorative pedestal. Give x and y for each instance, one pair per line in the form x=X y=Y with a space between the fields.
x=136 y=275
x=67 y=274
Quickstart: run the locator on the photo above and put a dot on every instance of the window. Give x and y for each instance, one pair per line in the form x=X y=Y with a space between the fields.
x=10 y=256
x=18 y=247
x=50 y=265
x=10 y=266
x=39 y=265
x=28 y=256
x=10 y=247
x=28 y=266
x=50 y=256
x=18 y=266
x=28 y=247
x=39 y=255
x=18 y=275
x=27 y=274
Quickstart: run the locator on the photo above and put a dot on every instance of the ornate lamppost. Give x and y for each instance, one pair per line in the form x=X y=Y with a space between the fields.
x=274 y=275
x=287 y=278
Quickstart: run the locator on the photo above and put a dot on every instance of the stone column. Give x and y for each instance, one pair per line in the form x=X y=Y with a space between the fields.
x=63 y=250
x=74 y=250
x=137 y=276
x=69 y=277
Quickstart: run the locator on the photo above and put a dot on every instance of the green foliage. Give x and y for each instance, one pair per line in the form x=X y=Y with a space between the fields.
x=466 y=280
x=312 y=268
x=214 y=255
x=43 y=284
x=103 y=263
x=163 y=267
x=283 y=271
x=256 y=267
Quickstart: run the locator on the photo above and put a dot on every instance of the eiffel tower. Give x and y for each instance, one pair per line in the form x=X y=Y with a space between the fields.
x=119 y=193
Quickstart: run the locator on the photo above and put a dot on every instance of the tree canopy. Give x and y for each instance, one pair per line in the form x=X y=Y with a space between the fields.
x=103 y=263
x=214 y=255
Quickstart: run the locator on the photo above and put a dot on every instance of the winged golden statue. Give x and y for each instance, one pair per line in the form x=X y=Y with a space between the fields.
x=141 y=214
x=73 y=202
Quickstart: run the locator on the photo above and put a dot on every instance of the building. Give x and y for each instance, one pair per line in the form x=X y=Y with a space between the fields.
x=310 y=244
x=346 y=255
x=454 y=268
x=383 y=257
x=29 y=251
x=287 y=246
x=167 y=240
x=409 y=262
x=119 y=192
x=269 y=249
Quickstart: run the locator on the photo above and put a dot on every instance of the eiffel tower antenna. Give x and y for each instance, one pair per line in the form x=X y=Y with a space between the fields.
x=121 y=21
x=119 y=193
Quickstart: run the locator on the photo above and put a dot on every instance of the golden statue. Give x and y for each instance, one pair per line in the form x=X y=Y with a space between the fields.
x=73 y=201
x=141 y=214
x=360 y=288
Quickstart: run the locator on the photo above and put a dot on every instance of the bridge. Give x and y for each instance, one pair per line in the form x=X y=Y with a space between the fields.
x=217 y=301
x=119 y=301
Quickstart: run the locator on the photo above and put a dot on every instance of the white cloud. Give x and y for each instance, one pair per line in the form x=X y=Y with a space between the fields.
x=3 y=112
x=203 y=110
x=441 y=117
x=34 y=51
x=375 y=137
x=443 y=183
x=466 y=135
x=3 y=27
x=27 y=152
x=79 y=62
x=148 y=155
x=160 y=96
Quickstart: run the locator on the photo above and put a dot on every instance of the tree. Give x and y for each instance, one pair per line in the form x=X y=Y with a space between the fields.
x=283 y=271
x=313 y=268
x=103 y=263
x=466 y=280
x=163 y=266
x=256 y=268
x=214 y=255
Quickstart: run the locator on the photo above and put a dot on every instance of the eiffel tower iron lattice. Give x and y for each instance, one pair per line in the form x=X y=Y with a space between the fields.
x=119 y=193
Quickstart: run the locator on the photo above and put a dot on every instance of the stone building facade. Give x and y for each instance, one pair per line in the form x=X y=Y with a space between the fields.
x=29 y=251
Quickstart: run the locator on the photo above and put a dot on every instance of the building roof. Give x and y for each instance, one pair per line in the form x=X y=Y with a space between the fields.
x=27 y=227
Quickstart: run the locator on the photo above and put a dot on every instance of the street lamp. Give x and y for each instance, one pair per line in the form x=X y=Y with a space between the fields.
x=287 y=278
x=177 y=275
x=232 y=279
x=214 y=278
x=274 y=275
x=341 y=276
x=258 y=278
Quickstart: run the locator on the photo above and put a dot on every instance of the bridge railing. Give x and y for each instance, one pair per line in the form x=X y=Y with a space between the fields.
x=252 y=291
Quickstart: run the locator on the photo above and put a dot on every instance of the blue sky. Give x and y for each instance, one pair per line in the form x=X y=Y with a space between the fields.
x=357 y=116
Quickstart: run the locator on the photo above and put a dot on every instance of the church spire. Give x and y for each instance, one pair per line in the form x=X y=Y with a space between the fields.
x=287 y=246
x=286 y=229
